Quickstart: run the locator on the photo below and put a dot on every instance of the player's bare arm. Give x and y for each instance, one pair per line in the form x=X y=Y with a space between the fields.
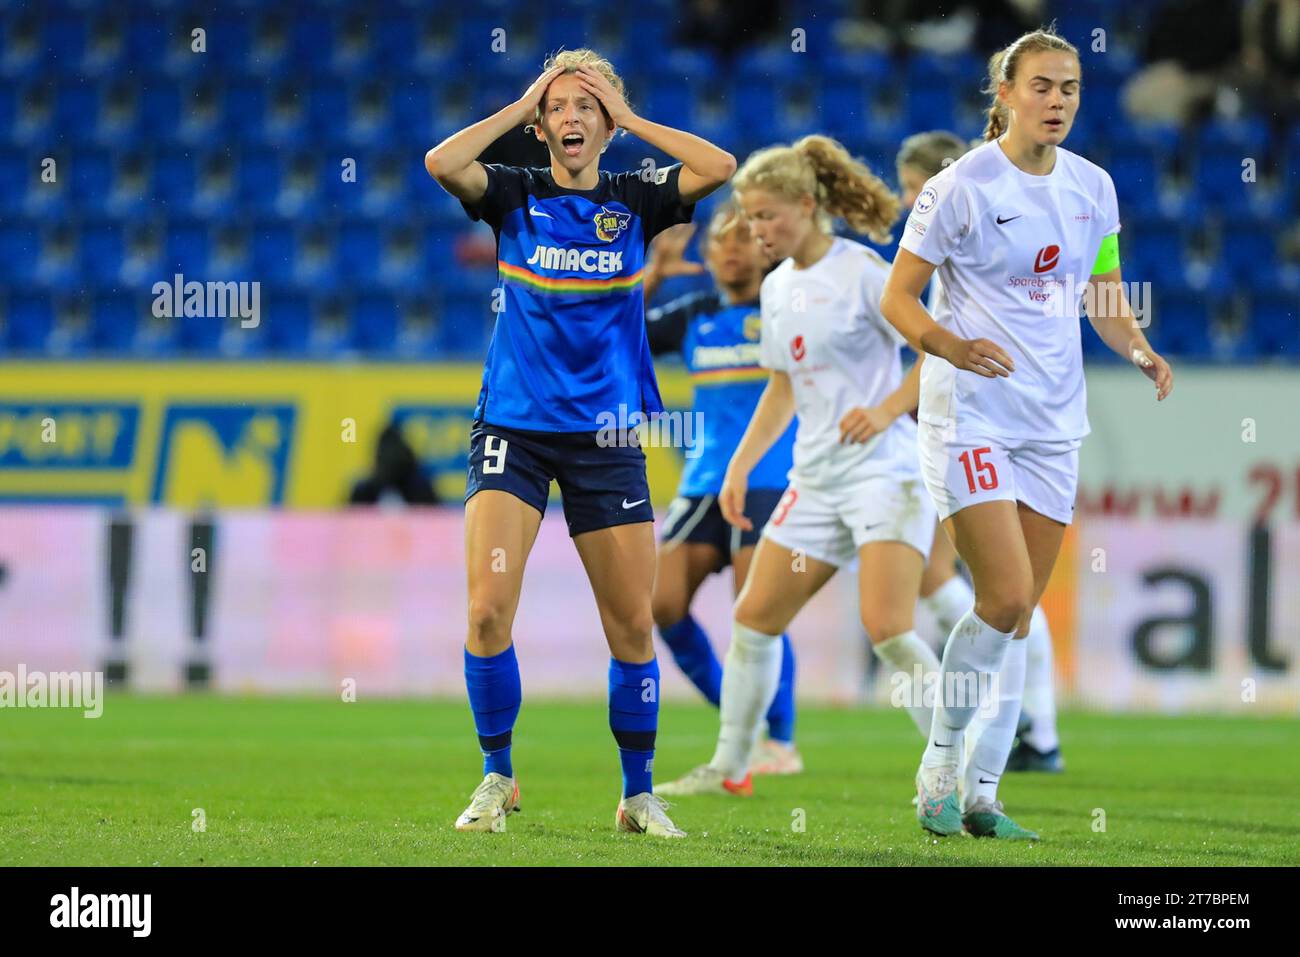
x=900 y=303
x=860 y=424
x=771 y=418
x=454 y=162
x=1113 y=318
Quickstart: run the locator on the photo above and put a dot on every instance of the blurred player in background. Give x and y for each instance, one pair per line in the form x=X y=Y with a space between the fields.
x=1019 y=230
x=945 y=595
x=717 y=333
x=855 y=489
x=568 y=351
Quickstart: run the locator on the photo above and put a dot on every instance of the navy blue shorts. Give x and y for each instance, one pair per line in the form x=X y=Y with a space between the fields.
x=698 y=519
x=601 y=486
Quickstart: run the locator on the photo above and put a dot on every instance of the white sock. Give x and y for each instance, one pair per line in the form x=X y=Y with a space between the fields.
x=1040 y=686
x=947 y=603
x=989 y=737
x=750 y=675
x=902 y=654
x=973 y=655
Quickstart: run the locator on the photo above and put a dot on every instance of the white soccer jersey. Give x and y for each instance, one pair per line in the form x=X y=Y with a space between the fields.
x=822 y=326
x=1015 y=252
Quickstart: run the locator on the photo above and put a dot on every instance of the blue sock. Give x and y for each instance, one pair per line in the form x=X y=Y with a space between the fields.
x=694 y=655
x=634 y=718
x=494 y=697
x=780 y=717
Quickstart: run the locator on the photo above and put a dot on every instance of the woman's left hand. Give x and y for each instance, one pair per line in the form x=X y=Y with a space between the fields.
x=1154 y=367
x=861 y=423
x=610 y=98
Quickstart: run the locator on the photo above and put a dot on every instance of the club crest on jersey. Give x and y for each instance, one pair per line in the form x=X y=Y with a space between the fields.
x=752 y=327
x=798 y=349
x=1047 y=258
x=610 y=224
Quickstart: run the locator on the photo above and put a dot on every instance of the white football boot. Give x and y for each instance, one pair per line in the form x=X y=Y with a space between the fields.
x=706 y=780
x=493 y=800
x=644 y=814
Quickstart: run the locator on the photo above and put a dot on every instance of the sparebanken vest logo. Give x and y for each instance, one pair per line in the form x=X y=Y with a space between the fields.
x=797 y=348
x=1047 y=259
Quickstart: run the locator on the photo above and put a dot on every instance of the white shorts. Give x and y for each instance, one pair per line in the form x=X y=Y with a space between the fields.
x=1043 y=475
x=831 y=526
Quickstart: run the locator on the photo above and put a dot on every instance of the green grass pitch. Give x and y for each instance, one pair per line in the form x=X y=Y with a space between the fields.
x=314 y=781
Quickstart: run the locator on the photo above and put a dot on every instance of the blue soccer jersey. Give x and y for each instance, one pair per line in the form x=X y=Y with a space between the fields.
x=569 y=346
x=720 y=344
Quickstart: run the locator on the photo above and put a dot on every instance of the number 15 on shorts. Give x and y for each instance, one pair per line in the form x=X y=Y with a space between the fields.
x=977 y=468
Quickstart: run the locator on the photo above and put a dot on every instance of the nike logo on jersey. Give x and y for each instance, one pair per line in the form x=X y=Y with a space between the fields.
x=627 y=504
x=578 y=260
x=537 y=212
x=1002 y=221
x=983 y=781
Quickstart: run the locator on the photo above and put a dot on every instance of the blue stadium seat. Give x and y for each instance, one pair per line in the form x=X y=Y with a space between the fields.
x=374 y=324
x=173 y=180
x=273 y=249
x=76 y=108
x=393 y=37
x=464 y=325
x=1218 y=179
x=160 y=109
x=286 y=321
x=102 y=250
x=357 y=251
x=1275 y=324
x=259 y=180
x=244 y=109
x=114 y=321
x=187 y=247
x=28 y=322
x=15 y=172
x=1249 y=249
x=1181 y=325
x=91 y=172
x=312 y=42
x=64 y=41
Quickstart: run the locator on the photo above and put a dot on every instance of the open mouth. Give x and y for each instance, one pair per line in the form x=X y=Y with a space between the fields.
x=1054 y=124
x=572 y=143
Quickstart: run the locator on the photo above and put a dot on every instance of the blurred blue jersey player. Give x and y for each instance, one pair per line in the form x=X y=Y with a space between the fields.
x=568 y=355
x=717 y=334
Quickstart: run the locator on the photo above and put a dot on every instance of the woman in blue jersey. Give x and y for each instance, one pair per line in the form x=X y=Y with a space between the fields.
x=568 y=357
x=717 y=333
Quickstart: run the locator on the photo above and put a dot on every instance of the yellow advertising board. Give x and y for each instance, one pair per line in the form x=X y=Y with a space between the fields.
x=240 y=435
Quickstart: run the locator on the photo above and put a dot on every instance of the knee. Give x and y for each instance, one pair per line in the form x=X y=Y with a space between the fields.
x=629 y=635
x=884 y=623
x=668 y=609
x=1005 y=606
x=489 y=623
x=758 y=615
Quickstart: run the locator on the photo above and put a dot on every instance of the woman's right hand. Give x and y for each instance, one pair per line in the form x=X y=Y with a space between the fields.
x=731 y=500
x=531 y=101
x=668 y=252
x=981 y=356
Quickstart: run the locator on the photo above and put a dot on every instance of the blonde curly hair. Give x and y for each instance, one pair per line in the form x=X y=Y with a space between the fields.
x=820 y=167
x=570 y=60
